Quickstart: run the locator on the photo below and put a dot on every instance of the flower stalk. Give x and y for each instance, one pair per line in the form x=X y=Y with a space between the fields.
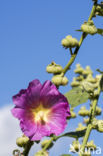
x=90 y=127
x=84 y=35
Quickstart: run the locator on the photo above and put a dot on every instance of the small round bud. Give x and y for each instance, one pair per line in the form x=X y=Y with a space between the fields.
x=59 y=80
x=89 y=28
x=75 y=83
x=80 y=127
x=64 y=81
x=87 y=71
x=84 y=112
x=91 y=146
x=98 y=110
x=89 y=87
x=73 y=115
x=91 y=79
x=76 y=145
x=54 y=68
x=19 y=142
x=86 y=120
x=22 y=141
x=79 y=69
x=100 y=125
x=69 y=42
x=79 y=78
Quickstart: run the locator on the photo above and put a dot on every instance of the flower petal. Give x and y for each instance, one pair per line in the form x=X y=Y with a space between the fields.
x=26 y=97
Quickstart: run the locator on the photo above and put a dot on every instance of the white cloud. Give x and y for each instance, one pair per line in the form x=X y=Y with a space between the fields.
x=9 y=131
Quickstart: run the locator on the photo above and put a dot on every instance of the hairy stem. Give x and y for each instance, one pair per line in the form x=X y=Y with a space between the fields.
x=89 y=127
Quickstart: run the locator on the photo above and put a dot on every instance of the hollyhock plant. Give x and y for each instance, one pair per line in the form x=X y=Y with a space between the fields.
x=41 y=109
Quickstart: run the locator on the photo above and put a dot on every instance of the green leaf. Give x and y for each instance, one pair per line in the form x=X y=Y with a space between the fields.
x=76 y=96
x=100 y=31
x=76 y=134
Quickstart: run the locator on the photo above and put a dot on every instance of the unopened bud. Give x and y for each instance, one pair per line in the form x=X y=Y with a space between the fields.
x=80 y=127
x=54 y=68
x=89 y=28
x=69 y=42
x=90 y=145
x=84 y=112
x=100 y=125
x=22 y=141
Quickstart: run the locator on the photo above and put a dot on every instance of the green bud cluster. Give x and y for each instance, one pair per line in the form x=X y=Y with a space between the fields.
x=86 y=120
x=75 y=146
x=98 y=110
x=69 y=42
x=100 y=126
x=54 y=68
x=90 y=145
x=22 y=141
x=80 y=127
x=83 y=111
x=59 y=80
x=99 y=9
x=86 y=81
x=89 y=27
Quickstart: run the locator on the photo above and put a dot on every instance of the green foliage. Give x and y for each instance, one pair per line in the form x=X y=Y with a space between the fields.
x=76 y=96
x=76 y=134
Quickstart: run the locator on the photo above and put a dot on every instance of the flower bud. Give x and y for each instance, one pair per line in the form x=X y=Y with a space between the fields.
x=87 y=71
x=90 y=145
x=91 y=79
x=98 y=110
x=80 y=127
x=89 y=28
x=79 y=69
x=86 y=120
x=69 y=42
x=64 y=81
x=89 y=87
x=83 y=111
x=76 y=146
x=100 y=125
x=59 y=80
x=54 y=68
x=79 y=78
x=22 y=141
x=75 y=83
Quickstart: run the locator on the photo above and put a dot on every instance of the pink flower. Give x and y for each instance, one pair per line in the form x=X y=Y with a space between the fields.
x=41 y=109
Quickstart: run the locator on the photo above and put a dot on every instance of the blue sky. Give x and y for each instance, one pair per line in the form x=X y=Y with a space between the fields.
x=30 y=38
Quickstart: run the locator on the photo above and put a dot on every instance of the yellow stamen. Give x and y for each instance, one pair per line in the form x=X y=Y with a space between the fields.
x=41 y=114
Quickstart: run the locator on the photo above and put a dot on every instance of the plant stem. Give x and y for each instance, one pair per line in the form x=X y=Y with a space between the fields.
x=89 y=127
x=27 y=148
x=73 y=56
x=47 y=145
